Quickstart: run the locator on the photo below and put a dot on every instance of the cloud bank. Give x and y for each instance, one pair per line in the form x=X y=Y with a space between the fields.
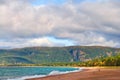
x=87 y=22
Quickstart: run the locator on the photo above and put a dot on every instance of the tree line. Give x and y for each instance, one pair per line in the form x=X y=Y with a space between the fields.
x=103 y=61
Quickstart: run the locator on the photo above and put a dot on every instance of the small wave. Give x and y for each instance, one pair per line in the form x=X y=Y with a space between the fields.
x=54 y=73
x=51 y=73
x=64 y=72
x=28 y=77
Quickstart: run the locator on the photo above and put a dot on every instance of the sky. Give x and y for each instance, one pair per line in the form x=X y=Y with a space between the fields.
x=28 y=23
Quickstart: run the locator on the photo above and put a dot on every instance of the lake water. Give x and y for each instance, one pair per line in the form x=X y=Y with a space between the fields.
x=21 y=73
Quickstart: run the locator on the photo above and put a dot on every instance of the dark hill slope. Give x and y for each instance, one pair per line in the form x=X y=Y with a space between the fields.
x=38 y=55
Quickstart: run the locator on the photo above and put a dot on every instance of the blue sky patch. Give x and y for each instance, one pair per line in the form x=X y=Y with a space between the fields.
x=45 y=2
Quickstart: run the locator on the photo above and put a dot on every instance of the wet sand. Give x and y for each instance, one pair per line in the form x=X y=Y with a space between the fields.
x=87 y=74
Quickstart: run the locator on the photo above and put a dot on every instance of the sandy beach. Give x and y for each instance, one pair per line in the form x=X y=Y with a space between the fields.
x=87 y=74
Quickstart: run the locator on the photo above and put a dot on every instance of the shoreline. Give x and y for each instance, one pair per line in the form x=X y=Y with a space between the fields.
x=87 y=73
x=78 y=69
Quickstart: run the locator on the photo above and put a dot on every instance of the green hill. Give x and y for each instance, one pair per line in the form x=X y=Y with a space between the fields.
x=40 y=55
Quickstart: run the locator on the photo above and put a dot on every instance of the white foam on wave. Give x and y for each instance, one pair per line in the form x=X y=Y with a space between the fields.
x=28 y=77
x=51 y=73
x=54 y=73
x=64 y=72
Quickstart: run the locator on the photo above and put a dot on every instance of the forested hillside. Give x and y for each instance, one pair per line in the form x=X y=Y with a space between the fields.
x=41 y=55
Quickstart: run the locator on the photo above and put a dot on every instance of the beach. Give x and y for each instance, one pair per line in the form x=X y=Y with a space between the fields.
x=90 y=73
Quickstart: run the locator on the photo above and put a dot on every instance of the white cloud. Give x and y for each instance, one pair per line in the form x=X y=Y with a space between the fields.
x=30 y=42
x=41 y=42
x=19 y=43
x=105 y=43
x=86 y=22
